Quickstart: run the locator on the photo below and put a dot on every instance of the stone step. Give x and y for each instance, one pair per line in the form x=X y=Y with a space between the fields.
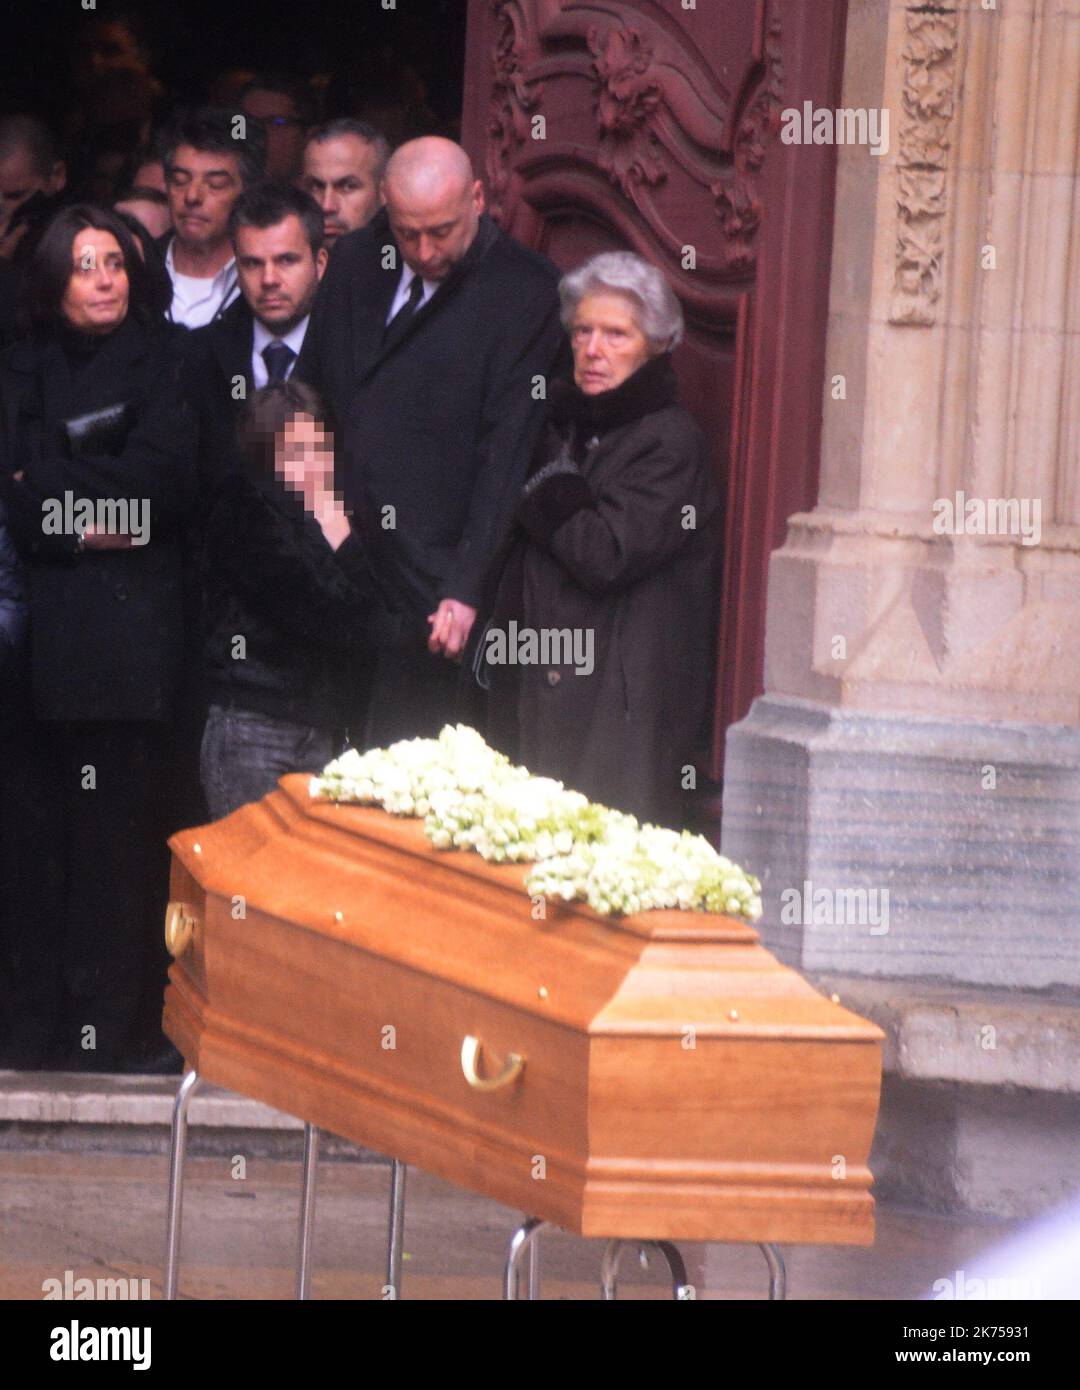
x=133 y=1114
x=966 y=1035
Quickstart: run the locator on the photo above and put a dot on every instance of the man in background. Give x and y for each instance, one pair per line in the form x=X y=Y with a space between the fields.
x=344 y=163
x=282 y=105
x=30 y=165
x=149 y=206
x=206 y=170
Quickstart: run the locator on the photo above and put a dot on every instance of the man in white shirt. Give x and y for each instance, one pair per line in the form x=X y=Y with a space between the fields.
x=210 y=159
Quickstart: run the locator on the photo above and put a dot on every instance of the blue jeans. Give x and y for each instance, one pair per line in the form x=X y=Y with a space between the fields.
x=244 y=753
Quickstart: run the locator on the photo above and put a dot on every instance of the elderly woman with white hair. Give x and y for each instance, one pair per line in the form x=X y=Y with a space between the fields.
x=598 y=648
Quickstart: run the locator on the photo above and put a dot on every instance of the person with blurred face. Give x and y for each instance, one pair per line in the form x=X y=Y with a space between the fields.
x=277 y=239
x=282 y=106
x=206 y=169
x=344 y=162
x=28 y=165
x=429 y=358
x=286 y=568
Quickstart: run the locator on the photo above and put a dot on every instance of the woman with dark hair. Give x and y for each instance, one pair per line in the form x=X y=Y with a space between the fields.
x=598 y=648
x=97 y=473
x=289 y=598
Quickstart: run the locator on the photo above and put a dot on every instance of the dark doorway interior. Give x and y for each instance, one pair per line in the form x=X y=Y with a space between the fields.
x=354 y=49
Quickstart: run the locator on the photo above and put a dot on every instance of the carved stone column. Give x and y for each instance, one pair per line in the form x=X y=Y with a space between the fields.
x=920 y=727
x=920 y=731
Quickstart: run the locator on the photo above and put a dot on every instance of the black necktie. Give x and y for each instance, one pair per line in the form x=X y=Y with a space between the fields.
x=278 y=357
x=399 y=322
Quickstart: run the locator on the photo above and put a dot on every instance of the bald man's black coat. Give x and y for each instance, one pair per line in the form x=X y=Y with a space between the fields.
x=434 y=432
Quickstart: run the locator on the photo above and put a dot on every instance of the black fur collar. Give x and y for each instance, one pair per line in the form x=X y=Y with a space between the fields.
x=652 y=387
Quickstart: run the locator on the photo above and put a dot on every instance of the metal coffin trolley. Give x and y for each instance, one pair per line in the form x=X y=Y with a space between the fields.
x=666 y=1075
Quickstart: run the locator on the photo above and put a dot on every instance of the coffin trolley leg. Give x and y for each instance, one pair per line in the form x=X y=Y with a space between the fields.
x=609 y=1268
x=777 y=1273
x=534 y=1269
x=396 y=1234
x=523 y=1241
x=178 y=1145
x=307 y=1211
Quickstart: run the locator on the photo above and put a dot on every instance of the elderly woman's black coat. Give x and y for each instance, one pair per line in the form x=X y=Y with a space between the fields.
x=105 y=626
x=616 y=536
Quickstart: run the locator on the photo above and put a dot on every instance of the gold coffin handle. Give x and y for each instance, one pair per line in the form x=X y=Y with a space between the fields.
x=179 y=926
x=470 y=1063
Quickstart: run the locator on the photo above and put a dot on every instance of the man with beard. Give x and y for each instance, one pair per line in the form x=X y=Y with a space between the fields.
x=277 y=240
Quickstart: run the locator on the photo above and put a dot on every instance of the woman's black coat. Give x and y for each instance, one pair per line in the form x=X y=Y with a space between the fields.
x=616 y=537
x=105 y=626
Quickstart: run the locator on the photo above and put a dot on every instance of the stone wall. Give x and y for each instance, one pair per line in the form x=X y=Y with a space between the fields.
x=917 y=749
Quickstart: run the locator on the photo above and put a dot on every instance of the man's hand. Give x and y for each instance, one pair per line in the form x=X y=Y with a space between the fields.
x=451 y=624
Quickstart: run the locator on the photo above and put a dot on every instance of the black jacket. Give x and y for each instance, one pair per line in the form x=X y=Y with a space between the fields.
x=616 y=542
x=105 y=626
x=8 y=289
x=12 y=597
x=216 y=355
x=291 y=620
x=435 y=432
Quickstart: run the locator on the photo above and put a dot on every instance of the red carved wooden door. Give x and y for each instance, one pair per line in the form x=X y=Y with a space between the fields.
x=654 y=125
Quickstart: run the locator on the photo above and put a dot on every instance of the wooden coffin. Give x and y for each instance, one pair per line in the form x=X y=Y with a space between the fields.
x=651 y=1076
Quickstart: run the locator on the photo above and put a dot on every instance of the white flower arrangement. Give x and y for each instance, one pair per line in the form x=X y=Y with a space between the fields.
x=472 y=797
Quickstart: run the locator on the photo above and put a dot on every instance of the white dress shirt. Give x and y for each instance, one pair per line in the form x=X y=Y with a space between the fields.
x=263 y=338
x=197 y=299
x=407 y=277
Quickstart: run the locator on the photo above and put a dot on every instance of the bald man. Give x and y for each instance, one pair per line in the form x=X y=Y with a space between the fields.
x=432 y=337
